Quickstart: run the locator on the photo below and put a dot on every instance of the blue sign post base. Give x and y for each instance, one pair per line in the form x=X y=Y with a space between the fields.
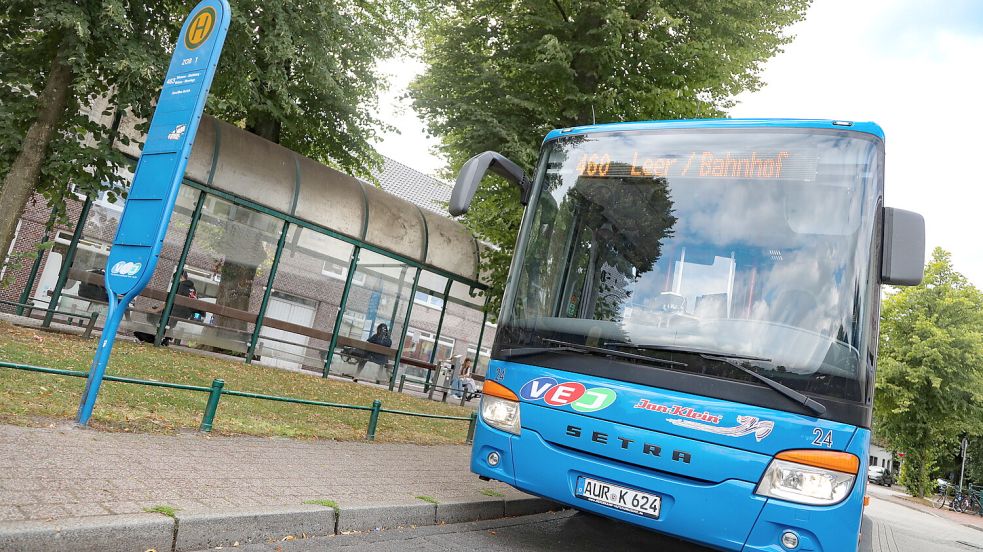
x=159 y=172
x=113 y=317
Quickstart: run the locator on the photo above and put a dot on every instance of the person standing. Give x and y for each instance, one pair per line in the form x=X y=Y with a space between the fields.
x=380 y=337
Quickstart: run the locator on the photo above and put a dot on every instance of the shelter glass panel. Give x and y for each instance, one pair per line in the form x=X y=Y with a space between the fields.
x=229 y=262
x=428 y=302
x=381 y=290
x=465 y=310
x=306 y=294
x=84 y=291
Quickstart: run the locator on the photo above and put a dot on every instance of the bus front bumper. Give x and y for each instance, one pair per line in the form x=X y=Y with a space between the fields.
x=726 y=515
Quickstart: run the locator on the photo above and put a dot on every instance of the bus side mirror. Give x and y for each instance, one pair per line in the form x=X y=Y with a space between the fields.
x=475 y=169
x=903 y=248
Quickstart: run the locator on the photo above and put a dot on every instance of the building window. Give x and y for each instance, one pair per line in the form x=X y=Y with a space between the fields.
x=419 y=345
x=482 y=364
x=427 y=300
x=337 y=270
x=217 y=207
x=103 y=201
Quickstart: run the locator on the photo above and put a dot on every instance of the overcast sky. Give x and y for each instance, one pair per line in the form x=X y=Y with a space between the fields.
x=913 y=66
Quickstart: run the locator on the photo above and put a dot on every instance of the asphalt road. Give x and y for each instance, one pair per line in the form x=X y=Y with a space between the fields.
x=888 y=527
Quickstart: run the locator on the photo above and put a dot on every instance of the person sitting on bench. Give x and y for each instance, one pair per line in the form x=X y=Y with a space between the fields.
x=464 y=382
x=380 y=337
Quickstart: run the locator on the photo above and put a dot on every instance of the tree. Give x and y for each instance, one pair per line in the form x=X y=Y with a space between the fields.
x=974 y=460
x=930 y=362
x=301 y=73
x=64 y=66
x=500 y=75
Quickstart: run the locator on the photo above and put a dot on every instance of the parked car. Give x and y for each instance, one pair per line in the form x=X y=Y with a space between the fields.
x=880 y=476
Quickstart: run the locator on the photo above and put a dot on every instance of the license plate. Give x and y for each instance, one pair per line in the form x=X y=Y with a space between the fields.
x=629 y=500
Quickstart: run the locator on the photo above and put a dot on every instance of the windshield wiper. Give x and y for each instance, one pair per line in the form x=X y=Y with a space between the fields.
x=733 y=360
x=577 y=348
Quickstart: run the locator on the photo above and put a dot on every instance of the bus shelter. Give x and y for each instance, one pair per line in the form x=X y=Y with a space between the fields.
x=294 y=264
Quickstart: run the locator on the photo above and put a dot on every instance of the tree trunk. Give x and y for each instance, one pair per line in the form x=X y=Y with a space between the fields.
x=239 y=269
x=25 y=171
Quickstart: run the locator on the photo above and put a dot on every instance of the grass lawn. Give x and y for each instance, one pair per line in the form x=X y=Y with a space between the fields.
x=28 y=398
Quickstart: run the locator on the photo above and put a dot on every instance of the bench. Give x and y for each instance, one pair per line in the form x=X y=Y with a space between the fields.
x=250 y=318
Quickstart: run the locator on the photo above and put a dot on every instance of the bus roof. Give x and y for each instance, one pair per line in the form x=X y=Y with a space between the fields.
x=866 y=127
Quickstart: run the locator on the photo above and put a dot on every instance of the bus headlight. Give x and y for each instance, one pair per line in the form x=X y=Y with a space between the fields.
x=819 y=478
x=500 y=407
x=500 y=413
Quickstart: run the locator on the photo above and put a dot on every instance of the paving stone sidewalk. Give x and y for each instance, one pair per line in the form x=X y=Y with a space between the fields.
x=65 y=471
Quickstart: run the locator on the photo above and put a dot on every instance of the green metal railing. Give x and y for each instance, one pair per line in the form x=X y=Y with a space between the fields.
x=50 y=311
x=218 y=389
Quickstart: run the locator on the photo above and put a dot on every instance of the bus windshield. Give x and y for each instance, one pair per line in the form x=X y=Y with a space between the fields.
x=751 y=243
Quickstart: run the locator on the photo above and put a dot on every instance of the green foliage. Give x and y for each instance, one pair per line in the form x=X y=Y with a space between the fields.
x=302 y=73
x=974 y=460
x=427 y=498
x=116 y=53
x=501 y=75
x=930 y=362
x=18 y=260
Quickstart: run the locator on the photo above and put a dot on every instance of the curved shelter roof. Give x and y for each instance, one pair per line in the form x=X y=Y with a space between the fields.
x=232 y=160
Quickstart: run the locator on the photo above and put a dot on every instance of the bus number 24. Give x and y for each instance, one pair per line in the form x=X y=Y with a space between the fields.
x=823 y=438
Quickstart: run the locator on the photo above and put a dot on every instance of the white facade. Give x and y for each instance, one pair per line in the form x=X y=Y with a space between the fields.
x=882 y=458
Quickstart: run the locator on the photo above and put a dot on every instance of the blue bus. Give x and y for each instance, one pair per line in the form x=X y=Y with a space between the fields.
x=688 y=335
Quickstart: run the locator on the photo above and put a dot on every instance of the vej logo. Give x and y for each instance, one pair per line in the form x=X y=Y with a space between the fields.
x=126 y=268
x=570 y=393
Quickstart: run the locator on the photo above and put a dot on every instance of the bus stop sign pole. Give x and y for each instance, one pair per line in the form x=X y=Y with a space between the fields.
x=159 y=172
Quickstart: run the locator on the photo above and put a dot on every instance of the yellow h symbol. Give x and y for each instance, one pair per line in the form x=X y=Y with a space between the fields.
x=200 y=28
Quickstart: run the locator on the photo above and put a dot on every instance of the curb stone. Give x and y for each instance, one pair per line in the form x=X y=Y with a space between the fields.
x=196 y=531
x=529 y=505
x=368 y=518
x=200 y=530
x=459 y=511
x=138 y=532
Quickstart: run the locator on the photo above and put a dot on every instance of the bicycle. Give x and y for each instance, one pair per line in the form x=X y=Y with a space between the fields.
x=943 y=496
x=964 y=500
x=971 y=502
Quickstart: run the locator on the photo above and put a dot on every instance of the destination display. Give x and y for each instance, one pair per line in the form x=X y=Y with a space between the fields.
x=767 y=165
